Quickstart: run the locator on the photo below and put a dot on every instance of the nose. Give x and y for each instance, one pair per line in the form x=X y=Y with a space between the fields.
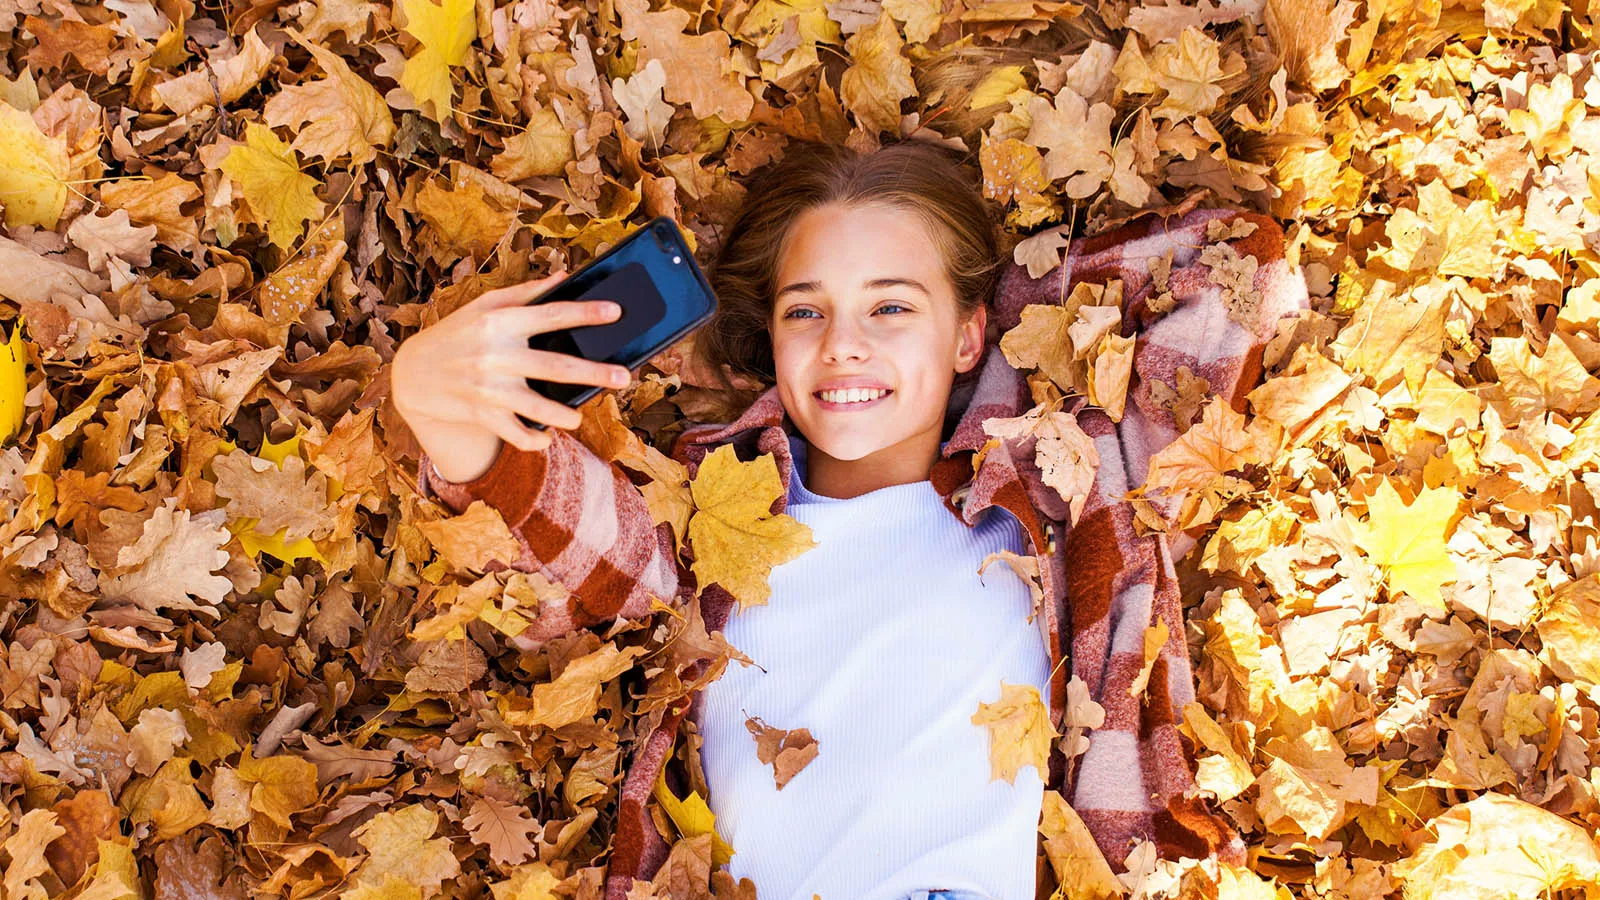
x=844 y=341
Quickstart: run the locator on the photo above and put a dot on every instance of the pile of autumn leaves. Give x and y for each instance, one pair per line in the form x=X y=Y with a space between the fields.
x=236 y=633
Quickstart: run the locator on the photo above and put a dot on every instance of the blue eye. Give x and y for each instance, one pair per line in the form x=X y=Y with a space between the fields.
x=790 y=313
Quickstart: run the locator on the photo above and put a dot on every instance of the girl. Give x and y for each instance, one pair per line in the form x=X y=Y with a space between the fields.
x=857 y=284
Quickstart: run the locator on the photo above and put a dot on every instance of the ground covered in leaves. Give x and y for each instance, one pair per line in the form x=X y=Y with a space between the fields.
x=240 y=653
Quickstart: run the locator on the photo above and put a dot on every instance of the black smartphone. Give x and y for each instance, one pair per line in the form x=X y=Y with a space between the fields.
x=663 y=293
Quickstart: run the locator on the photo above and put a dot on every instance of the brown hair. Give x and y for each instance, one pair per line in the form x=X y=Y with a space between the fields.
x=932 y=181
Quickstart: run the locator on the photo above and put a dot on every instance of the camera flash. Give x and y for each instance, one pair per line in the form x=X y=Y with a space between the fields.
x=677 y=259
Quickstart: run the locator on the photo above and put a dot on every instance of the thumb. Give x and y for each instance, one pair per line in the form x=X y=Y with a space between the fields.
x=517 y=294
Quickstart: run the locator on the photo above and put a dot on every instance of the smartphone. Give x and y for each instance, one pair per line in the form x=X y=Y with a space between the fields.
x=663 y=293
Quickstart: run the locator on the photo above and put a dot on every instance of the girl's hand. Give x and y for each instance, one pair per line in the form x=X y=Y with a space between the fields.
x=461 y=383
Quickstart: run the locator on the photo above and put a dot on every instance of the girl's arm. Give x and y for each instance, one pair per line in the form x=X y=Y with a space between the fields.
x=581 y=522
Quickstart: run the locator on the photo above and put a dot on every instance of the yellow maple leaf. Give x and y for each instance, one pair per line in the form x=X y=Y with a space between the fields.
x=13 y=382
x=1498 y=846
x=1039 y=340
x=693 y=817
x=33 y=171
x=446 y=31
x=1189 y=70
x=1019 y=731
x=340 y=114
x=735 y=538
x=1408 y=542
x=273 y=184
x=879 y=78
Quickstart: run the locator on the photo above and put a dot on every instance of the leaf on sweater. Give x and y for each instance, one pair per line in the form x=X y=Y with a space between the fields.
x=735 y=537
x=786 y=751
x=1019 y=731
x=1025 y=568
x=472 y=540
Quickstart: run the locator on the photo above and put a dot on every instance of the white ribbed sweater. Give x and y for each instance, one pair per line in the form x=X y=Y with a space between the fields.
x=898 y=798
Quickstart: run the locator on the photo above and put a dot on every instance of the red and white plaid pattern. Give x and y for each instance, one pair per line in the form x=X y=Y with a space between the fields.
x=583 y=524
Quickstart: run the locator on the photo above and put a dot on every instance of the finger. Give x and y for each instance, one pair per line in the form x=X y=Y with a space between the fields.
x=517 y=294
x=536 y=407
x=511 y=430
x=554 y=316
x=546 y=365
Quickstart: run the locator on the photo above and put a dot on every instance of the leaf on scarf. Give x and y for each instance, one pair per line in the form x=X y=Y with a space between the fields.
x=786 y=751
x=1155 y=637
x=735 y=537
x=1040 y=340
x=1019 y=731
x=1081 y=716
x=692 y=817
x=1073 y=854
x=472 y=540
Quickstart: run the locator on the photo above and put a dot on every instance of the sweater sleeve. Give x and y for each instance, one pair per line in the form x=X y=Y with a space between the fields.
x=581 y=523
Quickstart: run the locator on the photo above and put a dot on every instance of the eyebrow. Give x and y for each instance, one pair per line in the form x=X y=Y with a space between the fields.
x=804 y=287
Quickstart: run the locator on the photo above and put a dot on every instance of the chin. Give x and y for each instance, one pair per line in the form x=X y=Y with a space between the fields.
x=848 y=447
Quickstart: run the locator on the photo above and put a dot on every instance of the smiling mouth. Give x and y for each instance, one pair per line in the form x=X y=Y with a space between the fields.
x=851 y=405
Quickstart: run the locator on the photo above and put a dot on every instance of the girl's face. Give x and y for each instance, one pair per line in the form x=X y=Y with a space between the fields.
x=863 y=301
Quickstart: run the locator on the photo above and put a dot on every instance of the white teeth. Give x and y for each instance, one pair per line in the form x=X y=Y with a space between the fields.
x=852 y=395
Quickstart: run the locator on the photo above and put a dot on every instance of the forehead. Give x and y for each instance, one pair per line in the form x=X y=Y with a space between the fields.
x=844 y=247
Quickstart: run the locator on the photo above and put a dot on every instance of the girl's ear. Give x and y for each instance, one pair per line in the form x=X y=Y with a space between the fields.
x=970 y=348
